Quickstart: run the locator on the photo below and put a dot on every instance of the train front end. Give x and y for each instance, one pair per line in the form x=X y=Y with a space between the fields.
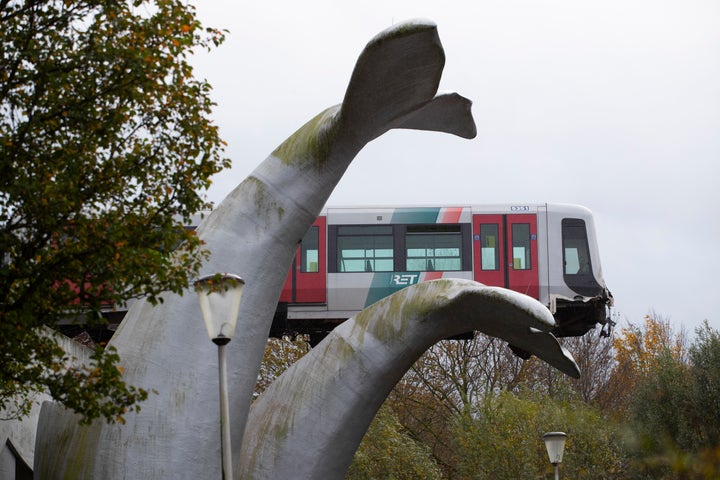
x=578 y=296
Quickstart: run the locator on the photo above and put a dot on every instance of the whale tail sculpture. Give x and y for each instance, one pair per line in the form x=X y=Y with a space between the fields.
x=320 y=408
x=253 y=232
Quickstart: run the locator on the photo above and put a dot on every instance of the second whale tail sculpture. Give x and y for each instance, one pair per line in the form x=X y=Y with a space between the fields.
x=253 y=232
x=319 y=409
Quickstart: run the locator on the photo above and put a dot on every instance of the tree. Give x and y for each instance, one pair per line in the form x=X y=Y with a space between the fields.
x=638 y=351
x=593 y=354
x=447 y=380
x=280 y=354
x=503 y=439
x=675 y=412
x=660 y=408
x=704 y=356
x=454 y=376
x=105 y=148
x=643 y=347
x=387 y=451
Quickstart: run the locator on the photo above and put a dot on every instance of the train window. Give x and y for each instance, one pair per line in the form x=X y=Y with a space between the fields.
x=365 y=248
x=309 y=251
x=489 y=245
x=576 y=252
x=431 y=248
x=521 y=246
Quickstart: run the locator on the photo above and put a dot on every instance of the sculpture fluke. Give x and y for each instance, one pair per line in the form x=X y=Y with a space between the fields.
x=382 y=96
x=320 y=408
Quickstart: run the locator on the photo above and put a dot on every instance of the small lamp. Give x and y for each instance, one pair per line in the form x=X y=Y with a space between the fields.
x=555 y=445
x=219 y=297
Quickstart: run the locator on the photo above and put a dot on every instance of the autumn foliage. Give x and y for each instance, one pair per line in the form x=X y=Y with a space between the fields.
x=646 y=407
x=106 y=146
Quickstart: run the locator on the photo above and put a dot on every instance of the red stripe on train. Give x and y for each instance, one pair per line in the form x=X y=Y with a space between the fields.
x=451 y=215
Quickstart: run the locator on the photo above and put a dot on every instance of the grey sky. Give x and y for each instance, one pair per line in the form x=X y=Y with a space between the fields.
x=614 y=105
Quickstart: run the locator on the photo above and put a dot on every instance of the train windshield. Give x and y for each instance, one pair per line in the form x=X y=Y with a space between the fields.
x=576 y=252
x=577 y=270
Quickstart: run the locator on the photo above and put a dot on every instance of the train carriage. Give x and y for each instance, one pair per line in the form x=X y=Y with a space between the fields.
x=353 y=257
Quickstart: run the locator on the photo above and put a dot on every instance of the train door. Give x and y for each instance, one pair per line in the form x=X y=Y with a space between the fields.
x=505 y=251
x=307 y=279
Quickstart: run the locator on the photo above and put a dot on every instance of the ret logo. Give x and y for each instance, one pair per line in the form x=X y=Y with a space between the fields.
x=404 y=279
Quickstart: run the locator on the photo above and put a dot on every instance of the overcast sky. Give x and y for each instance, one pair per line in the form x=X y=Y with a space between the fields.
x=613 y=104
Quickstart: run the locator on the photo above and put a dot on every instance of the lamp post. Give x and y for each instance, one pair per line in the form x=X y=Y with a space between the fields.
x=219 y=297
x=555 y=444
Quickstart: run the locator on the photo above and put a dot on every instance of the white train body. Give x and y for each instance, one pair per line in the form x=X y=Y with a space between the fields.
x=352 y=257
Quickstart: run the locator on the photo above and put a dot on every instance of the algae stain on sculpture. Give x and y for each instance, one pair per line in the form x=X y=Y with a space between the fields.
x=311 y=143
x=253 y=233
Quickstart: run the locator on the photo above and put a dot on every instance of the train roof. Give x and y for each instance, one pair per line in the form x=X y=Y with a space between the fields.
x=474 y=207
x=499 y=208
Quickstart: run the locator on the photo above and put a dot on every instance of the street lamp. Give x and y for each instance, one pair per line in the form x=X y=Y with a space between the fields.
x=555 y=444
x=219 y=297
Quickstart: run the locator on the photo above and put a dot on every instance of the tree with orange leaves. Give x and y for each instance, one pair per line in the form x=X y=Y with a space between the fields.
x=638 y=351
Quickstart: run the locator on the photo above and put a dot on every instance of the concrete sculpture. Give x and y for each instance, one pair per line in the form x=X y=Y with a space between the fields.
x=310 y=421
x=253 y=232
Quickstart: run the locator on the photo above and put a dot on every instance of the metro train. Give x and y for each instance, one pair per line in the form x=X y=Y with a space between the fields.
x=353 y=257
